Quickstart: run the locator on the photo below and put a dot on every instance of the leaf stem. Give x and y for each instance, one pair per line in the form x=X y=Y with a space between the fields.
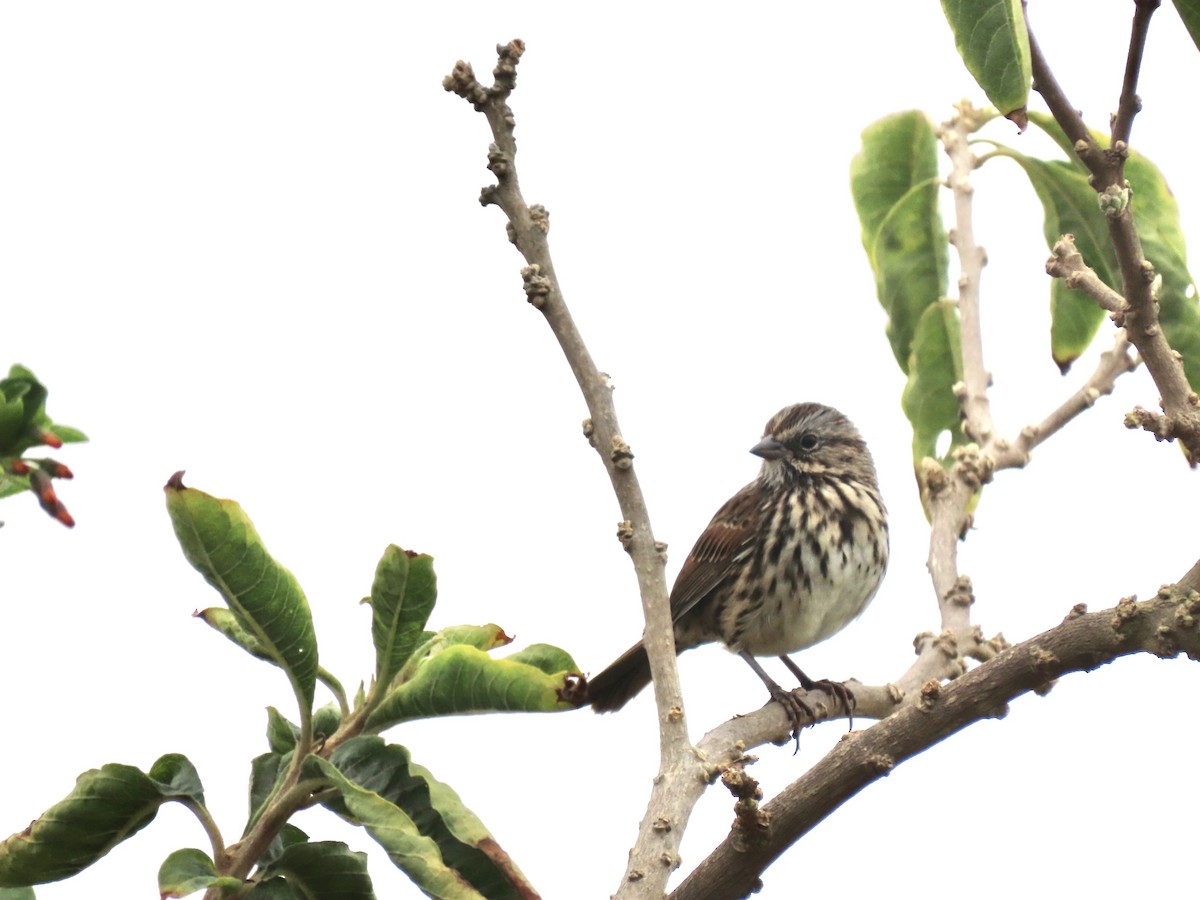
x=335 y=687
x=200 y=811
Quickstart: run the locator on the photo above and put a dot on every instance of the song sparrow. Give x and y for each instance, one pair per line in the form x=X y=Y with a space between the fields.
x=791 y=559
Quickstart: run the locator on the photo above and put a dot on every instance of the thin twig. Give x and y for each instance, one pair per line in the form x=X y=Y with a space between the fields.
x=1130 y=103
x=528 y=226
x=1067 y=263
x=1113 y=363
x=1165 y=626
x=1068 y=118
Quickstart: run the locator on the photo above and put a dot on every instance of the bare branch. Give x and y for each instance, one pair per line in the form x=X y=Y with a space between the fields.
x=527 y=229
x=1068 y=117
x=948 y=495
x=1191 y=579
x=1113 y=363
x=954 y=134
x=1164 y=626
x=1067 y=263
x=1130 y=103
x=940 y=658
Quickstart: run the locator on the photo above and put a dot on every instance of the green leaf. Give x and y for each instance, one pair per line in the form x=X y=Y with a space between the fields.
x=1156 y=218
x=1054 y=131
x=547 y=657
x=266 y=771
x=290 y=835
x=1189 y=11
x=447 y=678
x=224 y=621
x=928 y=399
x=1069 y=206
x=12 y=484
x=187 y=871
x=281 y=733
x=23 y=385
x=402 y=597
x=107 y=806
x=993 y=42
x=23 y=417
x=481 y=637
x=412 y=852
x=466 y=846
x=69 y=435
x=274 y=889
x=177 y=777
x=322 y=870
x=220 y=542
x=326 y=721
x=895 y=186
x=12 y=423
x=898 y=152
x=19 y=371
x=18 y=893
x=911 y=255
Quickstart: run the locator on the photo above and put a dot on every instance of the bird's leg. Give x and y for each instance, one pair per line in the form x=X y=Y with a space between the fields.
x=795 y=708
x=833 y=688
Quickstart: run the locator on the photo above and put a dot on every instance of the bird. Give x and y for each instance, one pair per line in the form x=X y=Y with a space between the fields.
x=788 y=561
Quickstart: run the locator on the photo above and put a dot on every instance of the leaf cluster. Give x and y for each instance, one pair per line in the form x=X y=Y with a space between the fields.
x=333 y=756
x=896 y=187
x=25 y=424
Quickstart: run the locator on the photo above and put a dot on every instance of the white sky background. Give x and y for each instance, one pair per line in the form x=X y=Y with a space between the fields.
x=244 y=240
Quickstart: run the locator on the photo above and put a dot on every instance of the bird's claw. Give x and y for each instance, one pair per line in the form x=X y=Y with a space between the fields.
x=840 y=692
x=798 y=712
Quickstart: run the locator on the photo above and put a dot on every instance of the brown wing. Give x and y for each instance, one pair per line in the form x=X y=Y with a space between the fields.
x=731 y=531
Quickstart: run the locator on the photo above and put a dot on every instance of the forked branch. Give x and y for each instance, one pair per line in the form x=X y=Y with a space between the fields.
x=1137 y=309
x=1165 y=626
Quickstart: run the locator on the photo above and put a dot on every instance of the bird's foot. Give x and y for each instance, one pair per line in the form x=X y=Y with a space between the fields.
x=837 y=690
x=798 y=712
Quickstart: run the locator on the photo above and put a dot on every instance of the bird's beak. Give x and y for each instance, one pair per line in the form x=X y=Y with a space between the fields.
x=769 y=448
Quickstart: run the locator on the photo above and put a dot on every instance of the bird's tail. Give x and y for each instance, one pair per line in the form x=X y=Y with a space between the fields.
x=620 y=682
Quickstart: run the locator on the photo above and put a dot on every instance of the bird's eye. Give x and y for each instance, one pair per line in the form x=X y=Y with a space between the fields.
x=809 y=442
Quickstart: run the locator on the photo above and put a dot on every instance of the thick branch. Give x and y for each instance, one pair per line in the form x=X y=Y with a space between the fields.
x=1165 y=627
x=527 y=229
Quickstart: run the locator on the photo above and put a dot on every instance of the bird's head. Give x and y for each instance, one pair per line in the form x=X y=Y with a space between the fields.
x=810 y=439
